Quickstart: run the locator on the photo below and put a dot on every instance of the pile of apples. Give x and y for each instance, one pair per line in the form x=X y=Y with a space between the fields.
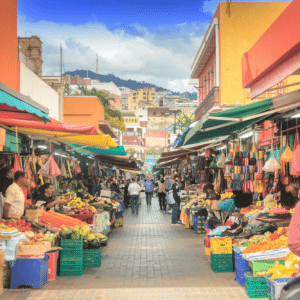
x=19 y=224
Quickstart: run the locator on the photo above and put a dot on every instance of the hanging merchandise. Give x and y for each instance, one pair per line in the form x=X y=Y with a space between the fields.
x=16 y=163
x=77 y=168
x=55 y=184
x=272 y=164
x=50 y=168
x=207 y=153
x=295 y=167
x=221 y=162
x=237 y=148
x=69 y=169
x=200 y=166
x=63 y=170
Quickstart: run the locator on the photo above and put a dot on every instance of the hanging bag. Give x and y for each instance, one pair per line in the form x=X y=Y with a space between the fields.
x=271 y=165
x=221 y=162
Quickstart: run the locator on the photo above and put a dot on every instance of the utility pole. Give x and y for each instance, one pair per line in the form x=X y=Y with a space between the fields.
x=61 y=63
x=96 y=66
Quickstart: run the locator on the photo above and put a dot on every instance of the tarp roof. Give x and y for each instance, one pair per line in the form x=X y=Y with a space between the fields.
x=226 y=122
x=54 y=125
x=120 y=150
x=14 y=105
x=96 y=141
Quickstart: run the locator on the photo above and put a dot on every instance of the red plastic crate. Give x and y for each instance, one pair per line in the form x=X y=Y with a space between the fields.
x=88 y=218
x=207 y=243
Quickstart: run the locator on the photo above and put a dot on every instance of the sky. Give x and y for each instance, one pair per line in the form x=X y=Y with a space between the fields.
x=153 y=41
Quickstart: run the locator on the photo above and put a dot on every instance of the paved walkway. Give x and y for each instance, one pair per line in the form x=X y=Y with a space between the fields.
x=146 y=259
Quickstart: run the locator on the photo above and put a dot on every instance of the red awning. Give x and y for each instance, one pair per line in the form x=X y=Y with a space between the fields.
x=54 y=125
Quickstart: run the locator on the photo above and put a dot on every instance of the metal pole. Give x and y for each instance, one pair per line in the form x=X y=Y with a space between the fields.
x=61 y=63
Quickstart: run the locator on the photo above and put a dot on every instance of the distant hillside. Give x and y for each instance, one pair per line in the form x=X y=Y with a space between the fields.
x=132 y=84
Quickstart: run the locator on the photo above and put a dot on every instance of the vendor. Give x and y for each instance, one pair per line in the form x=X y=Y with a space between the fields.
x=46 y=198
x=15 y=199
x=63 y=188
x=215 y=199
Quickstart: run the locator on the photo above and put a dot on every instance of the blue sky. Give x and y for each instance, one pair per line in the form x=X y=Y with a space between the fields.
x=154 y=41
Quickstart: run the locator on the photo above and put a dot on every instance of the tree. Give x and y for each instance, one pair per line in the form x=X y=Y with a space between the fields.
x=113 y=117
x=183 y=120
x=67 y=89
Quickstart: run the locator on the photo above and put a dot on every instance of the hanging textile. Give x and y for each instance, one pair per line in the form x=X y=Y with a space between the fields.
x=295 y=168
x=50 y=168
x=63 y=170
x=77 y=169
x=16 y=163
x=55 y=184
x=69 y=169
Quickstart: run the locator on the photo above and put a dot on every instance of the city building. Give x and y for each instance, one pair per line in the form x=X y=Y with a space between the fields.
x=31 y=47
x=232 y=32
x=48 y=94
x=147 y=96
x=160 y=117
x=108 y=87
x=158 y=140
x=134 y=140
x=85 y=110
x=124 y=96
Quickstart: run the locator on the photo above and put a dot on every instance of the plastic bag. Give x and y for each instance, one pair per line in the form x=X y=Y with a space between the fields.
x=271 y=165
x=287 y=155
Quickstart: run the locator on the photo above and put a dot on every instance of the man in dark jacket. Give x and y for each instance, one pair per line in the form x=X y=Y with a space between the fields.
x=176 y=205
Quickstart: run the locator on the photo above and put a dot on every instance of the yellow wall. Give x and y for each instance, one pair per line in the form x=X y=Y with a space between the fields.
x=131 y=121
x=145 y=94
x=238 y=32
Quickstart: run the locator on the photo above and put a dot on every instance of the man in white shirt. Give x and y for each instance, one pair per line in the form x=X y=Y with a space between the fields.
x=15 y=198
x=134 y=190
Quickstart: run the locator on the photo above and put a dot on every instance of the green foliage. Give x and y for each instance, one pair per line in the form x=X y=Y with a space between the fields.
x=183 y=120
x=67 y=89
x=113 y=117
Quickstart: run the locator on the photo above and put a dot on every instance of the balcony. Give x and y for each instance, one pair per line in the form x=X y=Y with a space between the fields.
x=211 y=100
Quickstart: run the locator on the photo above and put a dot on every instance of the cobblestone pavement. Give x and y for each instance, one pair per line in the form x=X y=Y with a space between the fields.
x=146 y=259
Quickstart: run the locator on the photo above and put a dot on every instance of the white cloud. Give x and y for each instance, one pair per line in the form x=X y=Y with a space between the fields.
x=163 y=58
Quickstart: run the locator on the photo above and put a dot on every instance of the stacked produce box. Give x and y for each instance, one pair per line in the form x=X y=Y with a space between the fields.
x=91 y=258
x=221 y=254
x=71 y=260
x=199 y=225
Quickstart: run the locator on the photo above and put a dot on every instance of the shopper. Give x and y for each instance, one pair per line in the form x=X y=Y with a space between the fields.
x=162 y=194
x=215 y=200
x=15 y=199
x=176 y=196
x=126 y=195
x=134 y=190
x=149 y=190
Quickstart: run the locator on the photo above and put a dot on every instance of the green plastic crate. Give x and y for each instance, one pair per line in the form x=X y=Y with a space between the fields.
x=70 y=271
x=71 y=244
x=71 y=261
x=221 y=262
x=255 y=282
x=92 y=251
x=65 y=253
x=92 y=263
x=257 y=294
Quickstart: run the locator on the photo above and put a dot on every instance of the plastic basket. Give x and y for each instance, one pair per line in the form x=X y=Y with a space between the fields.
x=92 y=264
x=88 y=218
x=241 y=267
x=255 y=282
x=207 y=251
x=71 y=244
x=207 y=242
x=221 y=262
x=70 y=271
x=275 y=286
x=221 y=245
x=52 y=266
x=32 y=272
x=263 y=265
x=256 y=294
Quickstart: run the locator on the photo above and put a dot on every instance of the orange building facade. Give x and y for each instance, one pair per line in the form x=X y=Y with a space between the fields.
x=85 y=110
x=9 y=63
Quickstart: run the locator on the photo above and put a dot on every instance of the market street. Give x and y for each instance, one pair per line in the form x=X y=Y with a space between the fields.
x=146 y=259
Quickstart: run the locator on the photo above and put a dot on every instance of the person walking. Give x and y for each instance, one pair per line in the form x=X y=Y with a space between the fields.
x=176 y=205
x=126 y=195
x=162 y=194
x=149 y=190
x=134 y=190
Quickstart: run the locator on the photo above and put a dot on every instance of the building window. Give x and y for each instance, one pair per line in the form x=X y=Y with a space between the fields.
x=134 y=94
x=144 y=93
x=153 y=94
x=134 y=98
x=145 y=98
